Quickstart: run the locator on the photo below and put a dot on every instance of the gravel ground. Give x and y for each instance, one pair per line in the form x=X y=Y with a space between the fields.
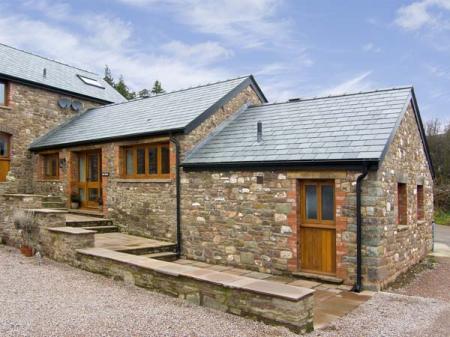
x=393 y=315
x=53 y=299
x=434 y=283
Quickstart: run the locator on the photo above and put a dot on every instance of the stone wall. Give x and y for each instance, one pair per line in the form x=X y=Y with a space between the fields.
x=399 y=246
x=9 y=204
x=31 y=112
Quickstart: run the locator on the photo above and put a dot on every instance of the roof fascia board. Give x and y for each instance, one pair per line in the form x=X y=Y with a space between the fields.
x=422 y=132
x=53 y=89
x=249 y=81
x=105 y=140
x=276 y=165
x=395 y=129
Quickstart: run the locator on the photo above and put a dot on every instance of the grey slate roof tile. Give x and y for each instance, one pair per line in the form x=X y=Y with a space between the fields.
x=29 y=67
x=346 y=127
x=164 y=112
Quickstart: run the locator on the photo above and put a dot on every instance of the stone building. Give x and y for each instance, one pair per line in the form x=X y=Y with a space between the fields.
x=337 y=187
x=36 y=95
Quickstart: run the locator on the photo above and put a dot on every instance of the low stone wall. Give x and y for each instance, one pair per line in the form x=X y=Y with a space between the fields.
x=10 y=203
x=260 y=300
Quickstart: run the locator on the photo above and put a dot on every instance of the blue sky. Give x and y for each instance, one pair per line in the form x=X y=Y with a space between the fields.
x=294 y=48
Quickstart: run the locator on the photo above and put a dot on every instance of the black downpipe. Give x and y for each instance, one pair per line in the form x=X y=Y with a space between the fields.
x=358 y=285
x=178 y=194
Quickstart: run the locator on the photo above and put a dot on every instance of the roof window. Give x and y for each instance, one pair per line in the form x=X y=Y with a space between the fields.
x=91 y=81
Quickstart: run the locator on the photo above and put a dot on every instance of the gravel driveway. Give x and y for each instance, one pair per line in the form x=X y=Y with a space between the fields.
x=53 y=299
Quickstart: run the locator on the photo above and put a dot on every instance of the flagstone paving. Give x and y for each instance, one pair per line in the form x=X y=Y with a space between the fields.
x=331 y=301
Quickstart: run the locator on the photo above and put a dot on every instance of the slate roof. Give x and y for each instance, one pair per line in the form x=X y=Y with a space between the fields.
x=352 y=127
x=177 y=111
x=21 y=65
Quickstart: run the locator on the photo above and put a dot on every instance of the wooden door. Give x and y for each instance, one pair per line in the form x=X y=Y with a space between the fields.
x=318 y=227
x=4 y=155
x=89 y=178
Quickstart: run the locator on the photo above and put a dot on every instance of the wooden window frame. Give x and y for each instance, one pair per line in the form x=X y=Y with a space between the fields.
x=46 y=159
x=146 y=174
x=420 y=203
x=319 y=221
x=402 y=212
x=6 y=93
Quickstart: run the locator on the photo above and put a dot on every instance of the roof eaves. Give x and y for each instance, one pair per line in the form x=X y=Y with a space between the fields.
x=356 y=164
x=105 y=139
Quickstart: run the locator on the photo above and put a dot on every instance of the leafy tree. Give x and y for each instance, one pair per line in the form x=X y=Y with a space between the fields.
x=157 y=88
x=144 y=93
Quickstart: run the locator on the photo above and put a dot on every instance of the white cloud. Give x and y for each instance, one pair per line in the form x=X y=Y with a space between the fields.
x=360 y=82
x=201 y=53
x=424 y=13
x=100 y=40
x=370 y=47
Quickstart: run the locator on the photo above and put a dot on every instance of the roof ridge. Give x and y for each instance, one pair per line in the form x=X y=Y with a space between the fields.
x=48 y=59
x=298 y=100
x=173 y=91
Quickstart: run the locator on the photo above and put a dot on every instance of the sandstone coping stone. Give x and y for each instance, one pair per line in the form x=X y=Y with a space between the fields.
x=46 y=211
x=284 y=291
x=71 y=230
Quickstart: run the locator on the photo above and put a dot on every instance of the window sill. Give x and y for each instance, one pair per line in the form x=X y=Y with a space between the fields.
x=5 y=107
x=402 y=228
x=48 y=180
x=125 y=180
x=421 y=222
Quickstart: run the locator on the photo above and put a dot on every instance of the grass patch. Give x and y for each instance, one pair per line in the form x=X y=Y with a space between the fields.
x=442 y=218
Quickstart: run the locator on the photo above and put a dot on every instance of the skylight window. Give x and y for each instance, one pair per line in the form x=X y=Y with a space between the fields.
x=91 y=81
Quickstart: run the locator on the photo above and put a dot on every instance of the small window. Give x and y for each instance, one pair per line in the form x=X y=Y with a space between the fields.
x=51 y=166
x=3 y=93
x=4 y=145
x=146 y=161
x=402 y=204
x=91 y=81
x=420 y=203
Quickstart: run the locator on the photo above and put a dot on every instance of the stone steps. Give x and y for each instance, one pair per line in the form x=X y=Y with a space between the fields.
x=91 y=223
x=54 y=204
x=318 y=277
x=164 y=256
x=87 y=212
x=102 y=229
x=149 y=250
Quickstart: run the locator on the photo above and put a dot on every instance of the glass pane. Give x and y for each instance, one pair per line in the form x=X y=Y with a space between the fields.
x=93 y=194
x=152 y=160
x=311 y=202
x=82 y=168
x=140 y=161
x=93 y=167
x=2 y=147
x=82 y=196
x=165 y=159
x=2 y=93
x=327 y=202
x=129 y=162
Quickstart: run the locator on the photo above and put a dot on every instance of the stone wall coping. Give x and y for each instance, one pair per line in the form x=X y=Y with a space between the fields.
x=71 y=230
x=143 y=181
x=46 y=210
x=18 y=195
x=268 y=288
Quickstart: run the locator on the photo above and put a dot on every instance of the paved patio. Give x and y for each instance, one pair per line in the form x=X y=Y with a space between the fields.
x=331 y=301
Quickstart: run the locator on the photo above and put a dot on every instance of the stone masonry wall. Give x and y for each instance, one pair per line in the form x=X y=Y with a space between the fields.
x=230 y=219
x=399 y=246
x=30 y=113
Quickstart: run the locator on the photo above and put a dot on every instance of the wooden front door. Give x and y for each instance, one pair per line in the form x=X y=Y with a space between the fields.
x=4 y=155
x=318 y=227
x=89 y=178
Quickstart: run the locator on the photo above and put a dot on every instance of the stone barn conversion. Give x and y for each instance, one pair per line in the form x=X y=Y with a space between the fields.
x=336 y=188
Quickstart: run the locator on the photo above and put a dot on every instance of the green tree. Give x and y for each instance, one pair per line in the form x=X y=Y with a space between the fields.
x=157 y=88
x=123 y=89
x=144 y=93
x=108 y=76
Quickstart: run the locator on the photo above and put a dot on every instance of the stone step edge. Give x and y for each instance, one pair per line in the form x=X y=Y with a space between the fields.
x=267 y=288
x=95 y=228
x=158 y=255
x=318 y=277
